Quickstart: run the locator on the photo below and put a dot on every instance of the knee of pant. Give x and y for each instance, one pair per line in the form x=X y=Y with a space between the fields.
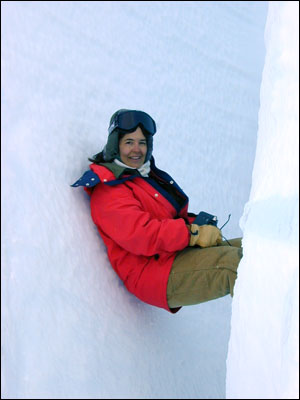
x=231 y=258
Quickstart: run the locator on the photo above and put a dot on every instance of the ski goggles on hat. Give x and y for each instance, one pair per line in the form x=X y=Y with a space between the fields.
x=129 y=121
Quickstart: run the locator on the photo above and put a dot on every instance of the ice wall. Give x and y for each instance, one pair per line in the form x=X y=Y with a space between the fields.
x=69 y=327
x=263 y=356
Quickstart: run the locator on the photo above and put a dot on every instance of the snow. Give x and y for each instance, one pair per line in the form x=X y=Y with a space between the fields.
x=69 y=327
x=265 y=355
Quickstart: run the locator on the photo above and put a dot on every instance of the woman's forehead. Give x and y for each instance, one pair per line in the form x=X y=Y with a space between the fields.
x=137 y=134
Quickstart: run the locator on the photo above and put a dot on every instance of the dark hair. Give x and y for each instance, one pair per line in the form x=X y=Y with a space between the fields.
x=122 y=133
x=97 y=158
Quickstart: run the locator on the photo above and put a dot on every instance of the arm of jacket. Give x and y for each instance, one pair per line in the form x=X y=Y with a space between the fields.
x=191 y=217
x=123 y=218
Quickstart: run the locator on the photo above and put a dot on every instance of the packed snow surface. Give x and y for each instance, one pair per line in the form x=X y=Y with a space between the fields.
x=264 y=342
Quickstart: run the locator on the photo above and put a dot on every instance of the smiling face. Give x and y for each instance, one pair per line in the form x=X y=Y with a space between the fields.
x=133 y=148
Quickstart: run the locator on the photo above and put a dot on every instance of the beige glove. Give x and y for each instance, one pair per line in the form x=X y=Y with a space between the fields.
x=204 y=235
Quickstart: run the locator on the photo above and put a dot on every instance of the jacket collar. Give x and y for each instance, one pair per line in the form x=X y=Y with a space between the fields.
x=109 y=173
x=143 y=170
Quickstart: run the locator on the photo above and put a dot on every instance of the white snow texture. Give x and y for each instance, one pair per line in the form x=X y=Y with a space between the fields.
x=212 y=78
x=264 y=342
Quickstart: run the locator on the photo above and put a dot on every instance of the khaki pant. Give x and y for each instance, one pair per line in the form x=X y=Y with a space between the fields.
x=203 y=274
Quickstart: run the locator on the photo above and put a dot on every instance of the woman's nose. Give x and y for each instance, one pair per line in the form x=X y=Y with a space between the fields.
x=136 y=147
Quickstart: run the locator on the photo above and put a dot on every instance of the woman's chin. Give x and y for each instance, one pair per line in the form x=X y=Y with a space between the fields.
x=134 y=163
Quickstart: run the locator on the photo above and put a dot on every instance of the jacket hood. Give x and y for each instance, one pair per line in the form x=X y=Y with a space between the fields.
x=107 y=172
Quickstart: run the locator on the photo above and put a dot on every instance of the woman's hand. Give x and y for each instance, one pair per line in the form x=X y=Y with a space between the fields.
x=204 y=235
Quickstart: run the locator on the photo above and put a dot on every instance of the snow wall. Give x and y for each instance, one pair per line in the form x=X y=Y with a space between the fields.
x=69 y=327
x=263 y=355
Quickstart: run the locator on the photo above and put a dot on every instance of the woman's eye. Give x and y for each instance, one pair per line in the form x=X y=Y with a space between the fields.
x=140 y=143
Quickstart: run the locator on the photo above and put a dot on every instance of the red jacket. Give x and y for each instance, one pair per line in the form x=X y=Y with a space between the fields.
x=142 y=228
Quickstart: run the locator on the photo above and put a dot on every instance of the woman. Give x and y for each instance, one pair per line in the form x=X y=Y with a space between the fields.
x=142 y=216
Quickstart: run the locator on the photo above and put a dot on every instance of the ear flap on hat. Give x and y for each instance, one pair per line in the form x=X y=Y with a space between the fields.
x=149 y=146
x=111 y=149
